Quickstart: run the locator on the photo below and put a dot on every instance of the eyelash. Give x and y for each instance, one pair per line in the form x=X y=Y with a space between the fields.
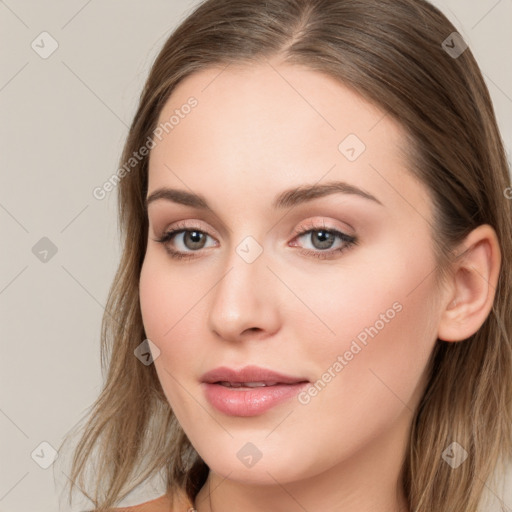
x=348 y=240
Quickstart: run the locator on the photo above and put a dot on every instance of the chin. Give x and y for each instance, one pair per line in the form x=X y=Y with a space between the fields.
x=259 y=463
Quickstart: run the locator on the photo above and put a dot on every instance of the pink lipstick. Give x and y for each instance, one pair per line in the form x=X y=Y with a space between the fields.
x=249 y=391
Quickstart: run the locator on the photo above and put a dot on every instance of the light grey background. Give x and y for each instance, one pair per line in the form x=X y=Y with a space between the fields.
x=63 y=122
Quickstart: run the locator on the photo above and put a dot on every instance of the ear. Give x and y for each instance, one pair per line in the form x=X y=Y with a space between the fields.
x=472 y=285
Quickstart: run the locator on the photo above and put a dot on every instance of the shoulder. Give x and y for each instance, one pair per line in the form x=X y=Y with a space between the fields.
x=161 y=504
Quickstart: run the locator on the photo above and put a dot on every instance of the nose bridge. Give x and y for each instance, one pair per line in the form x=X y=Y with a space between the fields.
x=242 y=299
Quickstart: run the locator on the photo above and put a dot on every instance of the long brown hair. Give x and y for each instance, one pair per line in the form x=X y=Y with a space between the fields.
x=394 y=54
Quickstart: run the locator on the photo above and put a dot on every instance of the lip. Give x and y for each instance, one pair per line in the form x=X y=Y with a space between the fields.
x=249 y=374
x=245 y=401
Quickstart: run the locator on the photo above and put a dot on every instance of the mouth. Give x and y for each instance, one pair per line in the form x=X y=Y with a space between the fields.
x=250 y=391
x=252 y=376
x=248 y=384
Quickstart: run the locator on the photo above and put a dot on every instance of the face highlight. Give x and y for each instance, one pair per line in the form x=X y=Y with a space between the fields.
x=331 y=284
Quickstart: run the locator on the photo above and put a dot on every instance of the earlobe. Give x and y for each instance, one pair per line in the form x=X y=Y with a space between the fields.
x=473 y=285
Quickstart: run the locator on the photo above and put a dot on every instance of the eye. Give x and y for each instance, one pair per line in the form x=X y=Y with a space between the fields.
x=188 y=237
x=323 y=239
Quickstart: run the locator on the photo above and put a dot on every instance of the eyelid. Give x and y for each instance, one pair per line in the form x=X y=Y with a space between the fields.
x=188 y=225
x=316 y=223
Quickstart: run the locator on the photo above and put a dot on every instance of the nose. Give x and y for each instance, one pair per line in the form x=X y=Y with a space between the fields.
x=245 y=302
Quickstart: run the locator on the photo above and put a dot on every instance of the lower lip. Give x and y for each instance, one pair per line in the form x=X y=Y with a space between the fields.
x=249 y=401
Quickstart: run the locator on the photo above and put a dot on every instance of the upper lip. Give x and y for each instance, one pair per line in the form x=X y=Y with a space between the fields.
x=249 y=374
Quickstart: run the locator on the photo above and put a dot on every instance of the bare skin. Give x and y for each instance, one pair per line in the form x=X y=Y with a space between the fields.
x=255 y=132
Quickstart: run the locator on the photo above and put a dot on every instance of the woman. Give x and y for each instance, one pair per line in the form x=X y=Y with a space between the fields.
x=312 y=310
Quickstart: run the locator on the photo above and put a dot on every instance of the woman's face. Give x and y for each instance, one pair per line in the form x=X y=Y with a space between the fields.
x=351 y=318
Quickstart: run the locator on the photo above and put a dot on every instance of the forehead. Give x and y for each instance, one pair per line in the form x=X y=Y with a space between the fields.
x=270 y=96
x=271 y=126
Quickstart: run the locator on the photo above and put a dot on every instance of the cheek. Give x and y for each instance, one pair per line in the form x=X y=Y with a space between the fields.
x=166 y=297
x=172 y=309
x=161 y=311
x=382 y=329
x=153 y=302
x=164 y=303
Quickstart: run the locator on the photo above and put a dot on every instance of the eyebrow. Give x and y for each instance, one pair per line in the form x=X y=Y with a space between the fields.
x=285 y=199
